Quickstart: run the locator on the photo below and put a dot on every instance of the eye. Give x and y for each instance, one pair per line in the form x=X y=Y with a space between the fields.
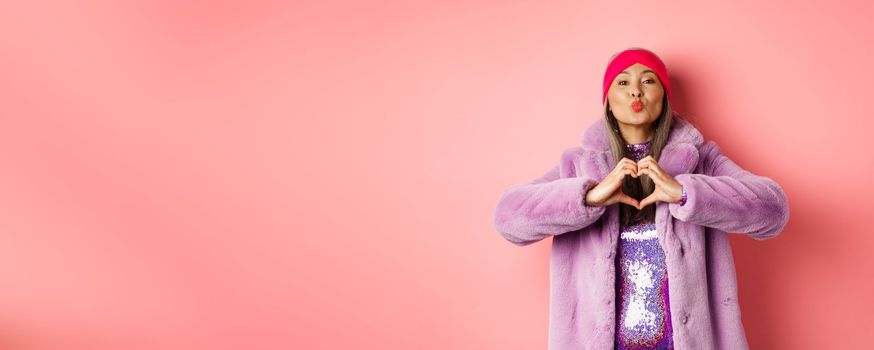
x=621 y=82
x=650 y=80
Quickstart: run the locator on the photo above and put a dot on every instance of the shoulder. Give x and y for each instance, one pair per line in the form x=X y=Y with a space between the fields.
x=569 y=160
x=577 y=160
x=710 y=155
x=708 y=147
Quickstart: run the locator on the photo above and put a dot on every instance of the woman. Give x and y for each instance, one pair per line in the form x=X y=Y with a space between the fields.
x=640 y=215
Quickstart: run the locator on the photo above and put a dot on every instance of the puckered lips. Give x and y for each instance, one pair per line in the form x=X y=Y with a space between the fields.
x=637 y=105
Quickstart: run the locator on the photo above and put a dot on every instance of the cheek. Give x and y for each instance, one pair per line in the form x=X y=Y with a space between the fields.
x=614 y=90
x=613 y=97
x=616 y=95
x=656 y=100
x=657 y=93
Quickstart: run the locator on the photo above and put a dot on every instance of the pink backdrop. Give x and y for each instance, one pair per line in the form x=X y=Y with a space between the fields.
x=258 y=175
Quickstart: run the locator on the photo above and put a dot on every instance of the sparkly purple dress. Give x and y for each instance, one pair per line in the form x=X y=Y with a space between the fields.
x=643 y=311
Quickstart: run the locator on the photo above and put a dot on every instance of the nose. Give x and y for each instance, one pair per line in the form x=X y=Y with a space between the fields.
x=635 y=91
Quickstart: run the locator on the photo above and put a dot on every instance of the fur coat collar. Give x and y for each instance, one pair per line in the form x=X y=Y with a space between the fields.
x=679 y=156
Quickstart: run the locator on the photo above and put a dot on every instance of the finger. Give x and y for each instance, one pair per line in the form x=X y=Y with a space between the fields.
x=624 y=161
x=616 y=178
x=626 y=170
x=652 y=164
x=646 y=159
x=646 y=166
x=627 y=163
x=622 y=164
x=640 y=168
x=648 y=162
x=656 y=178
x=632 y=170
x=648 y=200
x=624 y=198
x=658 y=172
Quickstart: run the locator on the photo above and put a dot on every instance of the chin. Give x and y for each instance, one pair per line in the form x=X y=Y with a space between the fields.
x=637 y=118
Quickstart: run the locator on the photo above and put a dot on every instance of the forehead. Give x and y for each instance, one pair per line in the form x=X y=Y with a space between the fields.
x=637 y=69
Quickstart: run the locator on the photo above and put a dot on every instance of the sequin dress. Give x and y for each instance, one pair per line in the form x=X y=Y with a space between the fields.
x=643 y=309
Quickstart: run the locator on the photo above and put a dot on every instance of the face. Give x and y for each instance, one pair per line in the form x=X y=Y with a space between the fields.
x=637 y=82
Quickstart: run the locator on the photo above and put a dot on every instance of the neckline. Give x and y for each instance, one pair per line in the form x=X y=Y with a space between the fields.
x=638 y=151
x=640 y=144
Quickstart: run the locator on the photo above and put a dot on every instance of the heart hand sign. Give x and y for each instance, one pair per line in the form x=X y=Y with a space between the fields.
x=609 y=190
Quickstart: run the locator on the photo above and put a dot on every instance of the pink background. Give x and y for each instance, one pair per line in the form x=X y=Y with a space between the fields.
x=259 y=175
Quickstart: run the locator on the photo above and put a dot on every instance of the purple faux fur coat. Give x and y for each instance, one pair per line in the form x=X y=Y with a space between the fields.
x=721 y=198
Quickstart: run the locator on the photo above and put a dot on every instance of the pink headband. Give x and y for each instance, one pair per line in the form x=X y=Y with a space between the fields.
x=629 y=57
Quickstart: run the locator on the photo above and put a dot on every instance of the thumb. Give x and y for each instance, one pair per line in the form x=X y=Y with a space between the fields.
x=647 y=201
x=624 y=198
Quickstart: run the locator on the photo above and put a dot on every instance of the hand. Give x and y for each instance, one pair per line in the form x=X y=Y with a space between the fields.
x=609 y=190
x=667 y=189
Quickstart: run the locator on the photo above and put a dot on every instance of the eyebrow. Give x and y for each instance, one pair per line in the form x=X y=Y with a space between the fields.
x=649 y=71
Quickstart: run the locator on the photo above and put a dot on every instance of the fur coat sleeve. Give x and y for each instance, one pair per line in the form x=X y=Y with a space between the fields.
x=551 y=204
x=726 y=197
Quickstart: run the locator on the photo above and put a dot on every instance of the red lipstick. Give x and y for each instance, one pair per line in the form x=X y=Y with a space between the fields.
x=637 y=106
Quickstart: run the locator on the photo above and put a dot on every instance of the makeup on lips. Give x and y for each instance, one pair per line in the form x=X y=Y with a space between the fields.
x=637 y=106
